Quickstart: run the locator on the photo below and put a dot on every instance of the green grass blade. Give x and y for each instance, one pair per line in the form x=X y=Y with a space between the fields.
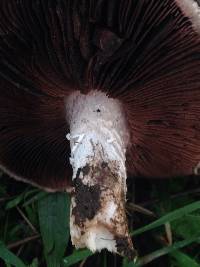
x=77 y=256
x=186 y=226
x=164 y=251
x=171 y=216
x=14 y=202
x=9 y=257
x=34 y=263
x=35 y=198
x=53 y=213
x=184 y=260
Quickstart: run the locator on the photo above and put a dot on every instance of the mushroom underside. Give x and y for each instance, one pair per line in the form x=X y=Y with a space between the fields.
x=121 y=79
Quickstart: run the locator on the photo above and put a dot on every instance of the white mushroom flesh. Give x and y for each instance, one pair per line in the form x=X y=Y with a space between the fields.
x=99 y=138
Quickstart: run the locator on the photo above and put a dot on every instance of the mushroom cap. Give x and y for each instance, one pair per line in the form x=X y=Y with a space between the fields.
x=144 y=53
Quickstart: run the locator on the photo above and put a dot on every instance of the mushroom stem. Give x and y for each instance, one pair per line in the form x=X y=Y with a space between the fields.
x=98 y=139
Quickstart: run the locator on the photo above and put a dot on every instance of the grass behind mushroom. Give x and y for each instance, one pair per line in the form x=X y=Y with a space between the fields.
x=21 y=229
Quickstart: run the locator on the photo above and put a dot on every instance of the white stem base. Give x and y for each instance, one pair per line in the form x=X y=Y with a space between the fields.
x=98 y=138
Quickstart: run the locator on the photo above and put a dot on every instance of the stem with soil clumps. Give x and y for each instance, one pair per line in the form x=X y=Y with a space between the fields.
x=98 y=138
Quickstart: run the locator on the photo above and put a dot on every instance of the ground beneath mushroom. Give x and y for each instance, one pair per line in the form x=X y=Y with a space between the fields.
x=158 y=196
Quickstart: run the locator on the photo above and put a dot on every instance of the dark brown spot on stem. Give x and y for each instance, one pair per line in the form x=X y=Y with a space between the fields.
x=104 y=164
x=86 y=170
x=87 y=199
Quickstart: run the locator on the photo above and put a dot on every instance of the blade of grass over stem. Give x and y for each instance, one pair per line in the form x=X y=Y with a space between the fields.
x=171 y=216
x=77 y=256
x=9 y=257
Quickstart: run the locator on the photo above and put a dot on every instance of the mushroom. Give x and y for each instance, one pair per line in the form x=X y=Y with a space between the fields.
x=93 y=90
